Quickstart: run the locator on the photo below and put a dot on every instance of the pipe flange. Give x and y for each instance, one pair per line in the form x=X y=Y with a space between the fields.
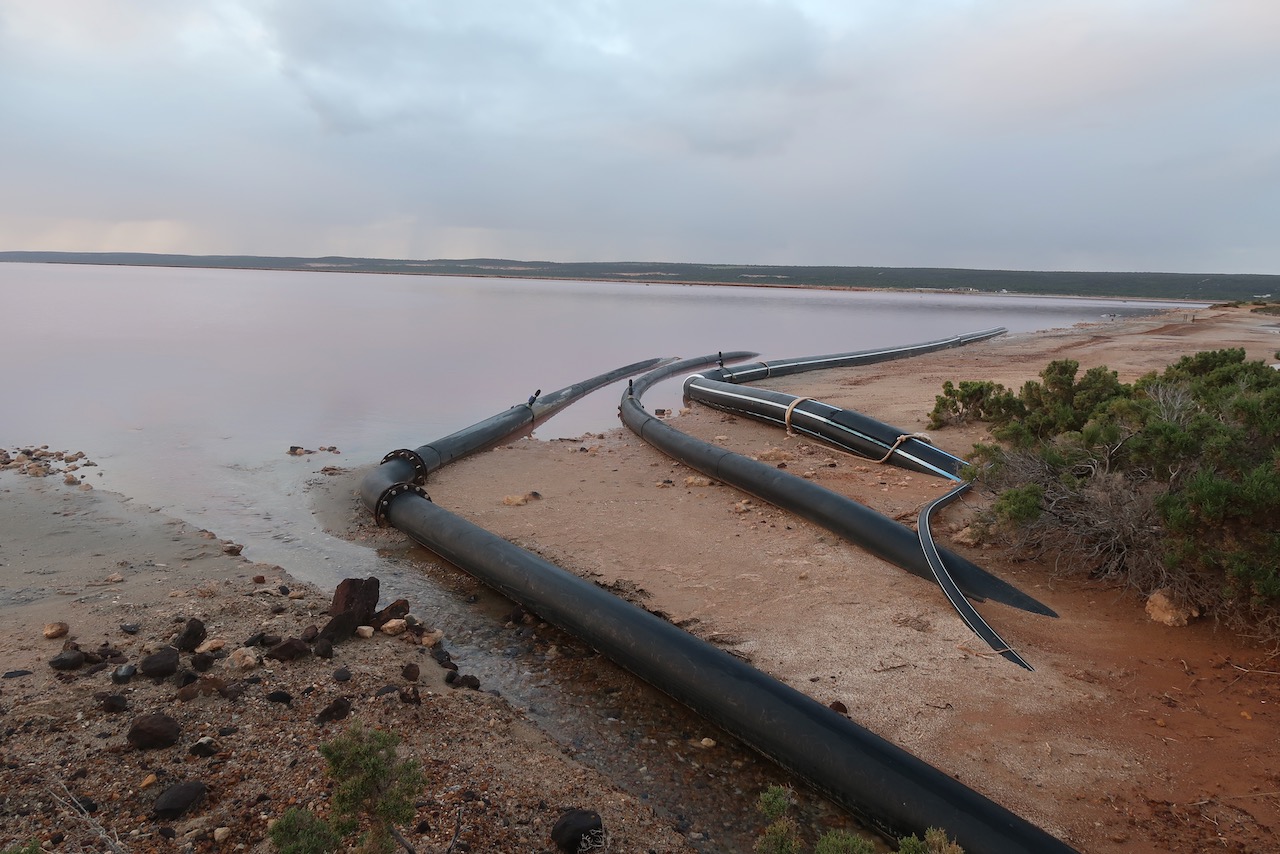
x=384 y=500
x=414 y=459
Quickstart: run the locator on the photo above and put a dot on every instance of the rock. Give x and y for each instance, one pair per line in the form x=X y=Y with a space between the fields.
x=1164 y=608
x=280 y=696
x=14 y=674
x=339 y=628
x=707 y=743
x=211 y=645
x=288 y=650
x=232 y=548
x=298 y=594
x=365 y=632
x=270 y=640
x=202 y=687
x=838 y=707
x=178 y=798
x=123 y=673
x=342 y=674
x=393 y=627
x=244 y=658
x=310 y=633
x=397 y=610
x=259 y=579
x=411 y=695
x=202 y=661
x=463 y=680
x=411 y=671
x=53 y=631
x=323 y=648
x=130 y=628
x=221 y=834
x=160 y=664
x=335 y=711
x=358 y=597
x=112 y=703
x=68 y=659
x=204 y=748
x=157 y=730
x=578 y=830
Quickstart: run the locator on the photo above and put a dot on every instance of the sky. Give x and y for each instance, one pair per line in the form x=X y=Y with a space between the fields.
x=1137 y=135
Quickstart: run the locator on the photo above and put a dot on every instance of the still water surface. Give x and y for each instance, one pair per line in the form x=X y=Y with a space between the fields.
x=188 y=386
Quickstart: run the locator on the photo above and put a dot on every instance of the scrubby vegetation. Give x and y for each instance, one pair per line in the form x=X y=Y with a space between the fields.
x=782 y=833
x=372 y=788
x=1171 y=482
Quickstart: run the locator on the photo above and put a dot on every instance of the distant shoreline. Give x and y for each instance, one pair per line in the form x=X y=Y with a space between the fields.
x=544 y=271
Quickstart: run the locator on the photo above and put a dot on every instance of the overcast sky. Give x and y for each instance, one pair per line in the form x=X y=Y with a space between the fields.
x=1012 y=134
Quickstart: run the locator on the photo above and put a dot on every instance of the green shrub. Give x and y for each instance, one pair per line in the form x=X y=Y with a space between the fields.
x=31 y=847
x=300 y=832
x=843 y=842
x=935 y=842
x=1173 y=481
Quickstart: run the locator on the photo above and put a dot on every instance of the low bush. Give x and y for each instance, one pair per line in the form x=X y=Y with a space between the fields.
x=1171 y=482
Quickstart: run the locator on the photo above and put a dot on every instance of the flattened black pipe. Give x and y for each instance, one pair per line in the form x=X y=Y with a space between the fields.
x=883 y=537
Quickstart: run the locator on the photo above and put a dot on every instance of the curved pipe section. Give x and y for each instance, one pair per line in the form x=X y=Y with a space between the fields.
x=839 y=514
x=412 y=466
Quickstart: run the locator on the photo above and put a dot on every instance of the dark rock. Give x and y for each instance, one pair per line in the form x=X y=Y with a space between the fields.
x=168 y=832
x=130 y=628
x=386 y=689
x=288 y=650
x=228 y=730
x=335 y=711
x=280 y=696
x=68 y=659
x=339 y=628
x=153 y=731
x=323 y=648
x=838 y=707
x=186 y=678
x=191 y=636
x=255 y=639
x=357 y=597
x=411 y=671
x=202 y=661
x=123 y=673
x=442 y=657
x=259 y=579
x=203 y=687
x=578 y=830
x=397 y=610
x=310 y=633
x=278 y=609
x=284 y=589
x=160 y=664
x=342 y=674
x=467 y=681
x=178 y=798
x=112 y=703
x=204 y=748
x=410 y=695
x=85 y=803
x=14 y=674
x=269 y=640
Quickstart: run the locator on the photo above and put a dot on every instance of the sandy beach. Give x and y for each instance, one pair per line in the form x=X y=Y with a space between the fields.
x=1129 y=736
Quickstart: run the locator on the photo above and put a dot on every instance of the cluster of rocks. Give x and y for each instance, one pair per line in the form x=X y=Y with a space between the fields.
x=42 y=462
x=196 y=666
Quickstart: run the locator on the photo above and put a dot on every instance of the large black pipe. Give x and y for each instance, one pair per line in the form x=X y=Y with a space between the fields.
x=891 y=789
x=839 y=514
x=406 y=469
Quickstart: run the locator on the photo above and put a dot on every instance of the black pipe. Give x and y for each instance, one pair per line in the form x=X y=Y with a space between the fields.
x=403 y=470
x=839 y=514
x=846 y=429
x=894 y=791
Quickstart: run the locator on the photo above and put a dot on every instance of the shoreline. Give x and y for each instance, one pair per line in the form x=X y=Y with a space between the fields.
x=1089 y=747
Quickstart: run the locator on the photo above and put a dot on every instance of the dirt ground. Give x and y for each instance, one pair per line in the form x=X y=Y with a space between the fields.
x=1129 y=735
